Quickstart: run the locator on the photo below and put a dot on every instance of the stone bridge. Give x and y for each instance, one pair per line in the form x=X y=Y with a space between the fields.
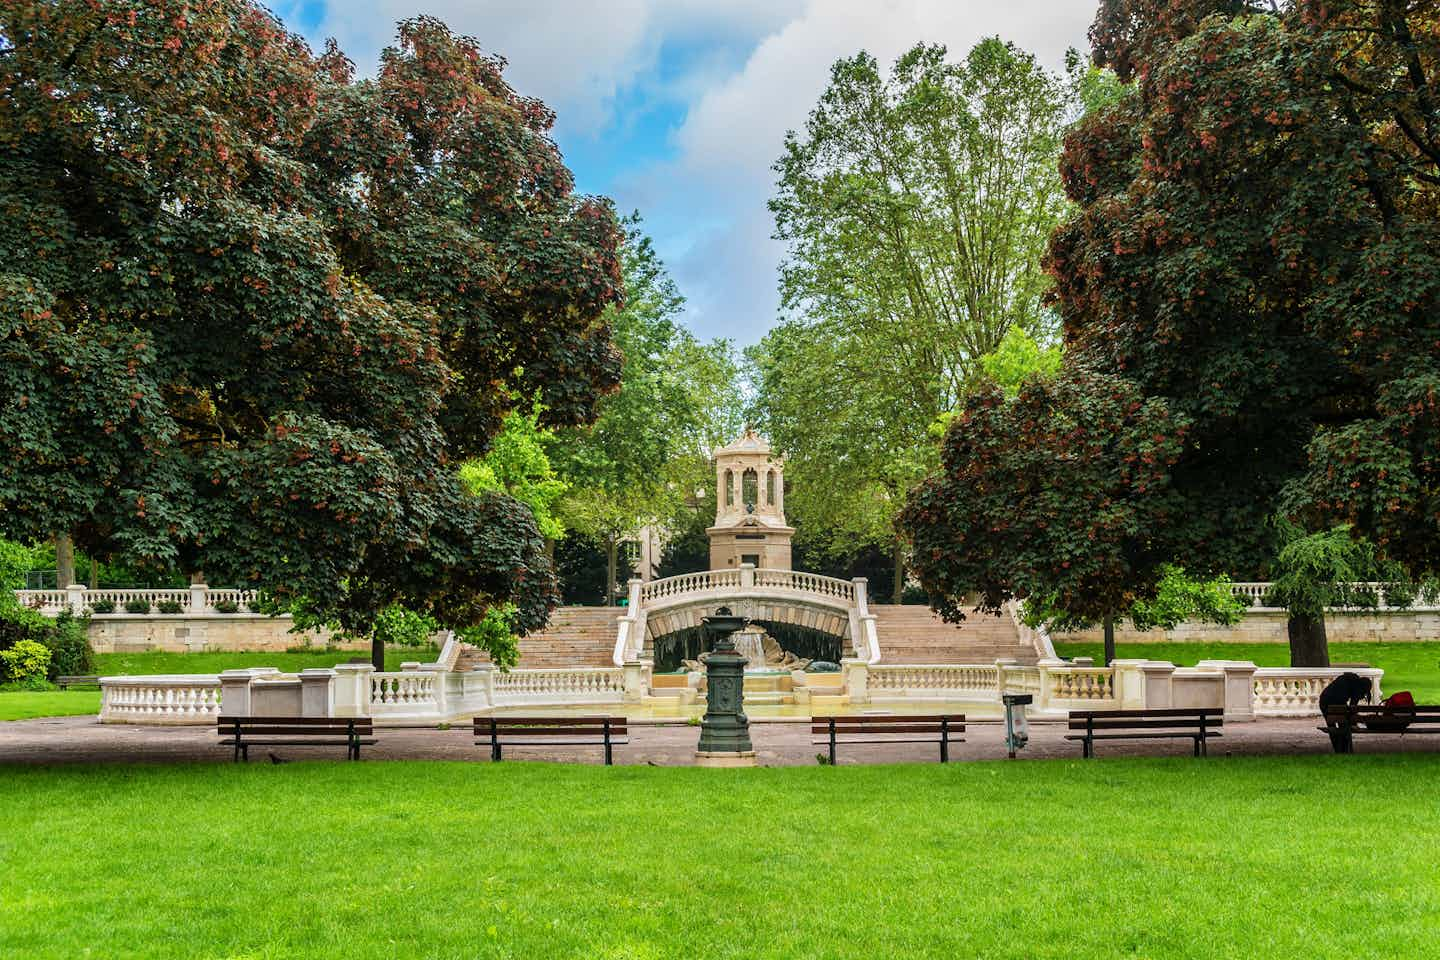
x=827 y=604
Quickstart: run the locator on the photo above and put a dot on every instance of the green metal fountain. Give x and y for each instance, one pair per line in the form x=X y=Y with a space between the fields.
x=725 y=730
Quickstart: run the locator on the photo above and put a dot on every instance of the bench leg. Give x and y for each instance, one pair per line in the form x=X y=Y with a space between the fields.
x=245 y=752
x=1087 y=748
x=609 y=757
x=832 y=741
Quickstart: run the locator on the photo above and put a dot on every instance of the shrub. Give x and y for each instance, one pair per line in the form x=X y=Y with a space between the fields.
x=397 y=626
x=137 y=605
x=25 y=665
x=170 y=606
x=227 y=606
x=103 y=606
x=69 y=643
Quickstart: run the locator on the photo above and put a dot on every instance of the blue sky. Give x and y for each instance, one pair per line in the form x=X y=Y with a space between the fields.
x=678 y=108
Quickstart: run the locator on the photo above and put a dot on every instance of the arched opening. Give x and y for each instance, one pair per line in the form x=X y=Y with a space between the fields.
x=769 y=488
x=750 y=488
x=729 y=489
x=671 y=649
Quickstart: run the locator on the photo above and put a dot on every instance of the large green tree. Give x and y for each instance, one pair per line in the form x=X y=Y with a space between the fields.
x=254 y=310
x=647 y=451
x=914 y=206
x=1255 y=245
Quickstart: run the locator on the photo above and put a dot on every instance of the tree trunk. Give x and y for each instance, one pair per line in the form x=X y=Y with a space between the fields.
x=899 y=572
x=1109 y=640
x=64 y=560
x=612 y=549
x=377 y=653
x=1309 y=646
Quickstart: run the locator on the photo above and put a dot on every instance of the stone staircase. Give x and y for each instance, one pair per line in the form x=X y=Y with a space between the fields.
x=916 y=634
x=576 y=637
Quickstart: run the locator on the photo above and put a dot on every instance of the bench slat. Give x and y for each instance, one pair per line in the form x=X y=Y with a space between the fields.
x=889 y=718
x=554 y=732
x=276 y=730
x=892 y=728
x=1157 y=712
x=1208 y=723
x=1144 y=736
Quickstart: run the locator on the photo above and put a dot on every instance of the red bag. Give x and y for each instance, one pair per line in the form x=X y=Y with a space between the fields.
x=1401 y=699
x=1397 y=711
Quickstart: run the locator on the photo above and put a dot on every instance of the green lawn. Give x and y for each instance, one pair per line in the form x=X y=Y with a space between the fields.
x=18 y=705
x=1266 y=857
x=1408 y=666
x=289 y=661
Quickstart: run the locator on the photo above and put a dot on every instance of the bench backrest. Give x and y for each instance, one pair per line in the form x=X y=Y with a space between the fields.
x=1420 y=713
x=1154 y=721
x=550 y=726
x=295 y=726
x=880 y=724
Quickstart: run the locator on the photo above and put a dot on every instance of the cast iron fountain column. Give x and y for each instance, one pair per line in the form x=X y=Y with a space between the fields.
x=725 y=731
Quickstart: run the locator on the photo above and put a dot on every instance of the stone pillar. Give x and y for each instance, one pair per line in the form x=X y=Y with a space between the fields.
x=75 y=598
x=747 y=576
x=1239 y=688
x=317 y=695
x=352 y=689
x=235 y=693
x=1001 y=665
x=862 y=593
x=857 y=679
x=636 y=682
x=1159 y=680
x=199 y=598
x=1129 y=683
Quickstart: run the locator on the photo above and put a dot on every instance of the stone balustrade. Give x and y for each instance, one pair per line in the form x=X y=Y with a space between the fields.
x=196 y=599
x=1254 y=593
x=560 y=686
x=1295 y=691
x=405 y=692
x=687 y=583
x=946 y=680
x=160 y=700
x=1078 y=684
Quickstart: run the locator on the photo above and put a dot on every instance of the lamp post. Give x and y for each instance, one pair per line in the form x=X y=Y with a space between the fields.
x=725 y=730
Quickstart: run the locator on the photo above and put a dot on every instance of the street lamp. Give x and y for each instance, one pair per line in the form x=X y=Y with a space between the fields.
x=725 y=730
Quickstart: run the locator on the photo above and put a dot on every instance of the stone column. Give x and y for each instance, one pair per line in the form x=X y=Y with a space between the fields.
x=747 y=576
x=199 y=598
x=235 y=692
x=352 y=689
x=317 y=695
x=857 y=679
x=75 y=598
x=1239 y=688
x=635 y=680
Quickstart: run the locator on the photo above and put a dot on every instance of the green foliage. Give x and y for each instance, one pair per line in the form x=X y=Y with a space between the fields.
x=1177 y=598
x=25 y=665
x=69 y=643
x=397 y=626
x=914 y=207
x=226 y=606
x=105 y=606
x=496 y=636
x=168 y=606
x=1017 y=358
x=253 y=309
x=516 y=464
x=17 y=558
x=138 y=605
x=1328 y=568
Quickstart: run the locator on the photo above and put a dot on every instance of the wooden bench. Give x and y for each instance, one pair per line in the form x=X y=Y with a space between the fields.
x=242 y=733
x=1176 y=723
x=500 y=732
x=65 y=683
x=888 y=728
x=1344 y=722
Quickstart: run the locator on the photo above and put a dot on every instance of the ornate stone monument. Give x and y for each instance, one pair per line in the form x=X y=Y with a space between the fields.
x=749 y=507
x=725 y=730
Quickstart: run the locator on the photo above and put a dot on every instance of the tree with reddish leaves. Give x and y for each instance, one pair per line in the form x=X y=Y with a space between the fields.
x=1062 y=495
x=253 y=311
x=1256 y=244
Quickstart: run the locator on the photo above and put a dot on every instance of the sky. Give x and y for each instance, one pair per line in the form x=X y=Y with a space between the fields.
x=678 y=108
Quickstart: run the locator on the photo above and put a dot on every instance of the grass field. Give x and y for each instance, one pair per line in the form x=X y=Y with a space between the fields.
x=1408 y=666
x=23 y=705
x=289 y=661
x=1279 y=857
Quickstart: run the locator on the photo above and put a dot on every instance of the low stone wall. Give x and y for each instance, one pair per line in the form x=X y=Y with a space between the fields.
x=192 y=633
x=1268 y=626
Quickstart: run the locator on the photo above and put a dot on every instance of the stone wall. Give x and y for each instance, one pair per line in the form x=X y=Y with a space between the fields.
x=1268 y=626
x=184 y=633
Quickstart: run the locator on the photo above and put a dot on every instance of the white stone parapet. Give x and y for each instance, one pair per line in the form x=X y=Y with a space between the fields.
x=195 y=600
x=160 y=700
x=1295 y=691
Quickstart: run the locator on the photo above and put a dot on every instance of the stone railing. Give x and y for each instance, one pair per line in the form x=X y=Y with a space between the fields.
x=921 y=680
x=690 y=583
x=1078 y=684
x=1295 y=691
x=1254 y=593
x=559 y=686
x=196 y=599
x=409 y=692
x=160 y=700
x=812 y=583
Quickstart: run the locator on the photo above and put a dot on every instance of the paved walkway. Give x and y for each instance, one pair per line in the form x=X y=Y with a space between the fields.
x=83 y=740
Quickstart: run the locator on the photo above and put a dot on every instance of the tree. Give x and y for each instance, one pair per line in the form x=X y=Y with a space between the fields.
x=1255 y=243
x=914 y=207
x=649 y=446
x=1061 y=494
x=516 y=465
x=253 y=310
